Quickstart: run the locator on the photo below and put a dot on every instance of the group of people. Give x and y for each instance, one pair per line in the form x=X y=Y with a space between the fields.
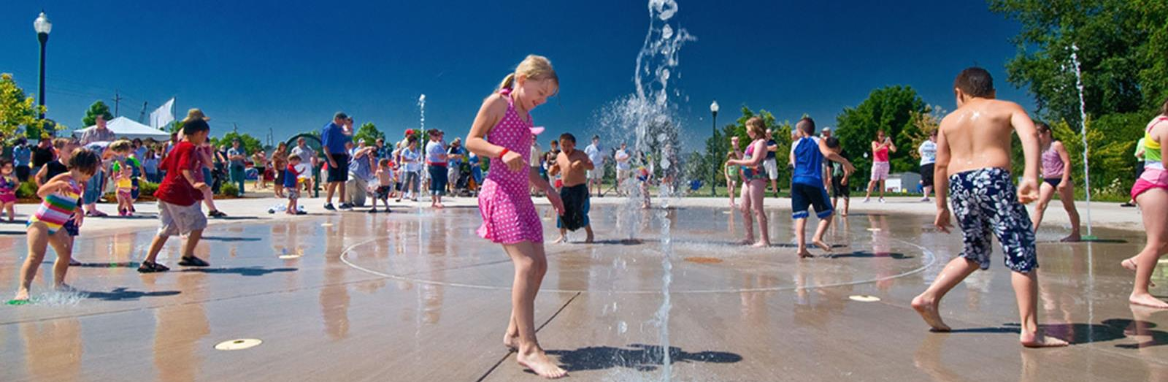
x=970 y=158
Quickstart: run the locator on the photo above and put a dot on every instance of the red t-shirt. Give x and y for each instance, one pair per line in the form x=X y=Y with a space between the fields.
x=174 y=188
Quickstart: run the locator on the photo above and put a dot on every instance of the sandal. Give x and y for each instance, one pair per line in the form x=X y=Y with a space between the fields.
x=152 y=267
x=193 y=262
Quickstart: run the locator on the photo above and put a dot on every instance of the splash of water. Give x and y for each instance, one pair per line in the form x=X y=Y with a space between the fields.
x=1083 y=131
x=422 y=112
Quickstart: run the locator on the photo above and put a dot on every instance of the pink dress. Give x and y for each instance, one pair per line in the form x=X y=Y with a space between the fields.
x=509 y=215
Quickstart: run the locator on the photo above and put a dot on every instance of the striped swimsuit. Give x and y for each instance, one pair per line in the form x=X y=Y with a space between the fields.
x=58 y=207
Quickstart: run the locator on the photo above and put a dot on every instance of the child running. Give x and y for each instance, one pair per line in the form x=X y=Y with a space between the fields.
x=125 y=187
x=807 y=188
x=8 y=185
x=292 y=184
x=1151 y=194
x=1055 y=162
x=61 y=197
x=573 y=165
x=754 y=182
x=179 y=196
x=384 y=184
x=502 y=132
x=974 y=146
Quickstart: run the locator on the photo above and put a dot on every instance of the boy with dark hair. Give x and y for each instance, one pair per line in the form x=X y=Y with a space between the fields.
x=973 y=144
x=807 y=188
x=573 y=165
x=839 y=178
x=179 y=196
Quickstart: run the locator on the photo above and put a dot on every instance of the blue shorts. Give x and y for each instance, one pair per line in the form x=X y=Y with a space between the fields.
x=986 y=201
x=93 y=188
x=804 y=196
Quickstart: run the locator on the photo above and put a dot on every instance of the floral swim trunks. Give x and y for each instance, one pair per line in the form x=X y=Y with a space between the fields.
x=986 y=200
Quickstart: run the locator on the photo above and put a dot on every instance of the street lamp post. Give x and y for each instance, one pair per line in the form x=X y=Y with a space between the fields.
x=714 y=154
x=43 y=26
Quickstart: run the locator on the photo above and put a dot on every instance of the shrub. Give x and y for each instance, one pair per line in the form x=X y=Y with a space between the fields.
x=27 y=190
x=228 y=189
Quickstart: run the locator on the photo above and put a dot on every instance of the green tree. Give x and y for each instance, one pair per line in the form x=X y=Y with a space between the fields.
x=17 y=110
x=369 y=132
x=890 y=109
x=249 y=143
x=98 y=108
x=1121 y=45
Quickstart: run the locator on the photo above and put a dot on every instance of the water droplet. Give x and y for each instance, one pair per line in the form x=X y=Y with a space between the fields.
x=622 y=328
x=667 y=31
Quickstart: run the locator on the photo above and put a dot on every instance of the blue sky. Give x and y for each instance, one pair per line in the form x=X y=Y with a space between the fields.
x=288 y=65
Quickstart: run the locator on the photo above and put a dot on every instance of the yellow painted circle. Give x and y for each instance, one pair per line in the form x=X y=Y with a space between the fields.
x=239 y=344
x=286 y=257
x=864 y=298
x=326 y=225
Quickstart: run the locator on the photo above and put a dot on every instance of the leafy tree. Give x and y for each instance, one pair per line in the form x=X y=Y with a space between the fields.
x=1121 y=45
x=369 y=132
x=98 y=108
x=249 y=143
x=890 y=109
x=17 y=109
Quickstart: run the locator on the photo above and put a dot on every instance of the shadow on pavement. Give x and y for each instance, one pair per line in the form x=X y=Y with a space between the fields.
x=638 y=357
x=123 y=294
x=245 y=271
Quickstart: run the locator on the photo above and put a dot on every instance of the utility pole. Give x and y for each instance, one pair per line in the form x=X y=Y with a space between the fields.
x=117 y=100
x=142 y=115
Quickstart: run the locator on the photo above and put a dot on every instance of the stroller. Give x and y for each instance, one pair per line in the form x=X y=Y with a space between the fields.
x=465 y=185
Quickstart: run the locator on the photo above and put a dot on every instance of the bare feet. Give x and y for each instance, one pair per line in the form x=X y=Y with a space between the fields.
x=1146 y=299
x=589 y=240
x=511 y=341
x=1130 y=264
x=1073 y=238
x=824 y=246
x=539 y=363
x=1037 y=340
x=927 y=308
x=805 y=255
x=21 y=295
x=560 y=239
x=761 y=244
x=63 y=287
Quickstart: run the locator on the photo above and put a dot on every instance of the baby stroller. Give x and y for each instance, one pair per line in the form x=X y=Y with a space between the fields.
x=463 y=186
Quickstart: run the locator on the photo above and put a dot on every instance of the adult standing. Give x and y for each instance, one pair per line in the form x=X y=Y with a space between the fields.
x=307 y=157
x=236 y=155
x=21 y=156
x=454 y=158
x=622 y=168
x=436 y=165
x=333 y=140
x=596 y=174
x=770 y=164
x=279 y=161
x=380 y=150
x=102 y=136
x=880 y=165
x=43 y=153
x=928 y=151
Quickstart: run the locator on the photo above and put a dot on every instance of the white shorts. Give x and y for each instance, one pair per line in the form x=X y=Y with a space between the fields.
x=880 y=170
x=180 y=220
x=622 y=174
x=596 y=173
x=772 y=168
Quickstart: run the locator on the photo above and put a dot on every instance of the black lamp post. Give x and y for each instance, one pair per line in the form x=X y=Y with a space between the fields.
x=43 y=26
x=714 y=159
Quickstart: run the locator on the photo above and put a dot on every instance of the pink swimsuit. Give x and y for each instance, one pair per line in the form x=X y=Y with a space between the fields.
x=509 y=215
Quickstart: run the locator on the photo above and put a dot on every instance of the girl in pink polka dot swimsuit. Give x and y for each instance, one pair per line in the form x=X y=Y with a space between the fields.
x=502 y=131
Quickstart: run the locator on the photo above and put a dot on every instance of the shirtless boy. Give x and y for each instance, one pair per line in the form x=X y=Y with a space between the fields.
x=573 y=165
x=973 y=161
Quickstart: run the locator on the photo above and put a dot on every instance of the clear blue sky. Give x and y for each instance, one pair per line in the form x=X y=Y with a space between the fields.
x=288 y=65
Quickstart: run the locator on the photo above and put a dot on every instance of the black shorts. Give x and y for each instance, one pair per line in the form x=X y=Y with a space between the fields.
x=838 y=189
x=804 y=196
x=22 y=173
x=927 y=175
x=340 y=173
x=1139 y=168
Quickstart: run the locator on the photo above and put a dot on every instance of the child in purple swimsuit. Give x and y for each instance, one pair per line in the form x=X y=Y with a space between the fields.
x=502 y=131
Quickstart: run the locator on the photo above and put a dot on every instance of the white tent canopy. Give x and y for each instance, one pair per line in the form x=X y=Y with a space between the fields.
x=125 y=128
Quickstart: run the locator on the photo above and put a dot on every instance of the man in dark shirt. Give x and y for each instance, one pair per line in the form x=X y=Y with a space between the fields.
x=333 y=140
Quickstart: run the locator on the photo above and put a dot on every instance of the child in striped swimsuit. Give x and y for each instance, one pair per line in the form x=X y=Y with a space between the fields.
x=61 y=196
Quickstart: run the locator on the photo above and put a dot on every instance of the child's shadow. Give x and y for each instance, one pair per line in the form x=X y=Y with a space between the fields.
x=639 y=357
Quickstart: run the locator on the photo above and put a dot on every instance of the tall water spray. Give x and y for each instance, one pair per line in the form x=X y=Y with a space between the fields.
x=1083 y=131
x=422 y=112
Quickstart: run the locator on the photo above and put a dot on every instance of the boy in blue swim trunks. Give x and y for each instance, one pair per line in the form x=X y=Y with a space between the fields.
x=807 y=188
x=973 y=158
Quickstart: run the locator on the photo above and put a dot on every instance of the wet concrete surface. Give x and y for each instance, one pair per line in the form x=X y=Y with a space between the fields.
x=415 y=295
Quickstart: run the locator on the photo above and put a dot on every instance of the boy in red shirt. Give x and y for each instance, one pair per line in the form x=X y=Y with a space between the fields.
x=178 y=199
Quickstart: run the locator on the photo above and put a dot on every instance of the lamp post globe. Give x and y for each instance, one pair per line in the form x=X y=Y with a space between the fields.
x=43 y=27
